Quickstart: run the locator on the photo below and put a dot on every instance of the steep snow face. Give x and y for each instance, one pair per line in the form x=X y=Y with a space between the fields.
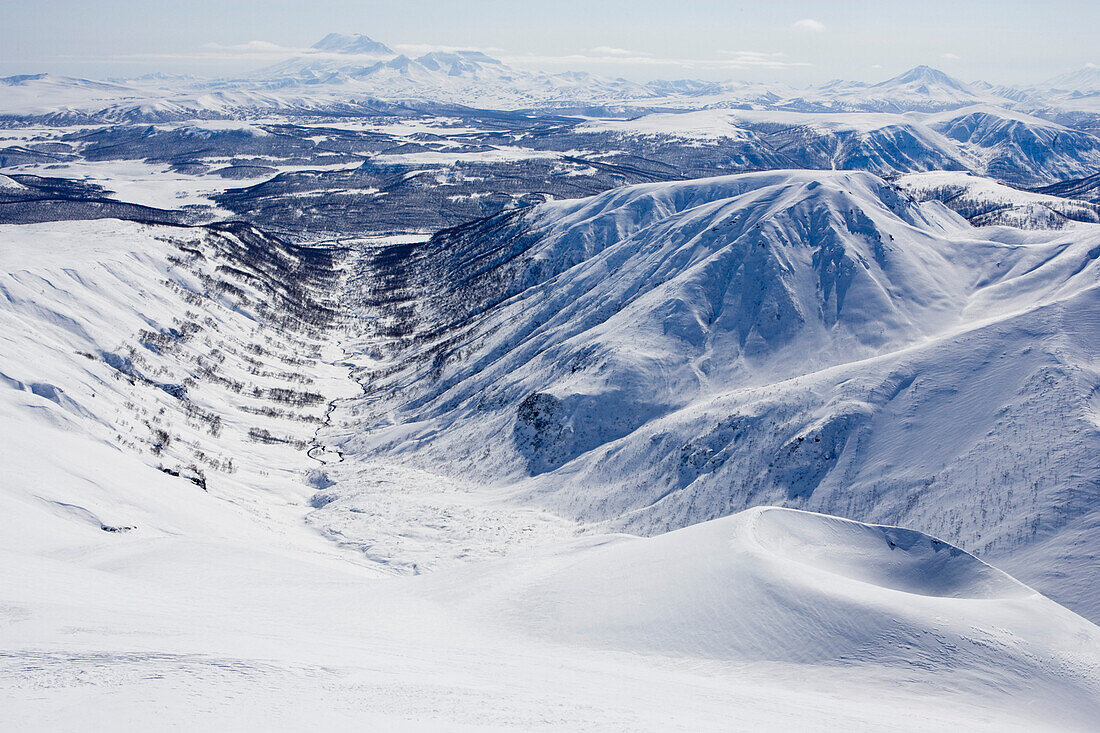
x=1029 y=152
x=151 y=375
x=686 y=287
x=665 y=354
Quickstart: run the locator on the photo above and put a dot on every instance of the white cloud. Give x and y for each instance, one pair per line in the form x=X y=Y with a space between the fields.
x=809 y=24
x=605 y=56
x=419 y=49
x=738 y=61
x=950 y=56
x=264 y=47
x=613 y=51
x=751 y=54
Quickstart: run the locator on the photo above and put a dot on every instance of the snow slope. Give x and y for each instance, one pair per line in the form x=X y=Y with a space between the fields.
x=983 y=201
x=131 y=348
x=182 y=632
x=135 y=597
x=762 y=585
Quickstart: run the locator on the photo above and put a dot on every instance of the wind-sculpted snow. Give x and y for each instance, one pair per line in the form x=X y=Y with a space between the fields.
x=665 y=354
x=778 y=586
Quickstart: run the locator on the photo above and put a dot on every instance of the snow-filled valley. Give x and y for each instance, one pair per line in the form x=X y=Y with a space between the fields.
x=370 y=392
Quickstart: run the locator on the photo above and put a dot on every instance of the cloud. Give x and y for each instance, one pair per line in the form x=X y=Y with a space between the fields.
x=950 y=56
x=809 y=24
x=264 y=47
x=419 y=49
x=876 y=66
x=737 y=60
x=607 y=56
x=612 y=51
x=751 y=54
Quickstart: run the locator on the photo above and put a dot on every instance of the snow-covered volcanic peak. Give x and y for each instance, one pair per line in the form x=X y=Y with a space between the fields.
x=352 y=65
x=343 y=70
x=926 y=81
x=355 y=43
x=457 y=61
x=1085 y=80
x=921 y=88
x=429 y=68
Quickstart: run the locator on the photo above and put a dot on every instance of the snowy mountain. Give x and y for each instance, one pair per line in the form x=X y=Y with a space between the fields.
x=1026 y=150
x=665 y=354
x=987 y=141
x=921 y=88
x=355 y=43
x=925 y=83
x=1082 y=189
x=1085 y=80
x=985 y=202
x=165 y=391
x=341 y=73
x=372 y=391
x=359 y=65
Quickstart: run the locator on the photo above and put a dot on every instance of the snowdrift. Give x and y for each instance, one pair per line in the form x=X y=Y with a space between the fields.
x=779 y=586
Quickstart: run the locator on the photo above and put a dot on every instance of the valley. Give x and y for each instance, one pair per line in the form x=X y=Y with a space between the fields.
x=421 y=392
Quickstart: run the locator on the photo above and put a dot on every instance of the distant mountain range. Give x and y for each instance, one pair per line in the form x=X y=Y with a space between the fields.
x=341 y=69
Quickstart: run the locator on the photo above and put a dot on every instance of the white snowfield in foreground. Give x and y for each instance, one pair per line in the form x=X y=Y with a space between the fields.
x=135 y=599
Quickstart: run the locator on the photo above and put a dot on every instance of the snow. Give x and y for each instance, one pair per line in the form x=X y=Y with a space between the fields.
x=346 y=71
x=665 y=354
x=444 y=157
x=986 y=201
x=701 y=125
x=981 y=138
x=346 y=592
x=790 y=450
x=178 y=634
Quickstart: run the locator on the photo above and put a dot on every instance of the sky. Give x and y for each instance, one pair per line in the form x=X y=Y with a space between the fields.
x=1003 y=41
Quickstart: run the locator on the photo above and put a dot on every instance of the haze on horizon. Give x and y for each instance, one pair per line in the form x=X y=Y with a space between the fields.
x=1009 y=42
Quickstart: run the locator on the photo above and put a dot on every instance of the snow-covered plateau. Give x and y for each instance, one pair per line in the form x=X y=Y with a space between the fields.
x=368 y=392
